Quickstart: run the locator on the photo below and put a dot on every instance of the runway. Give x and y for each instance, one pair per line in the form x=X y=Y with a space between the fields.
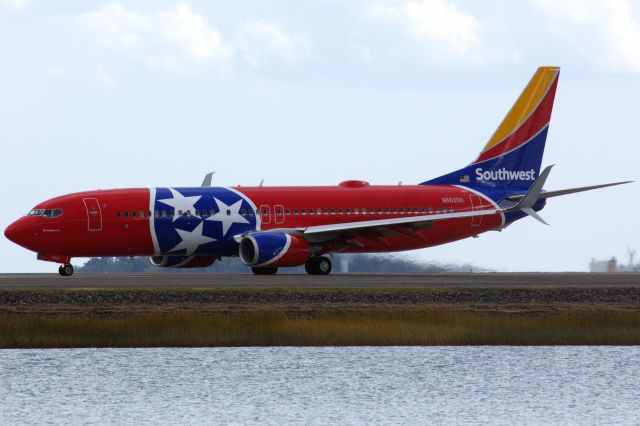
x=189 y=280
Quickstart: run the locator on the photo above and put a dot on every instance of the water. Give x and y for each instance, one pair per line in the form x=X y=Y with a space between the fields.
x=407 y=385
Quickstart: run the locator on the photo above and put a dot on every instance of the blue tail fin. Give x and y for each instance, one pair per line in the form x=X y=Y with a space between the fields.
x=512 y=157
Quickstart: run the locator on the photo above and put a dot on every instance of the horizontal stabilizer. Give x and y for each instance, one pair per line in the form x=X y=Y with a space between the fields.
x=551 y=194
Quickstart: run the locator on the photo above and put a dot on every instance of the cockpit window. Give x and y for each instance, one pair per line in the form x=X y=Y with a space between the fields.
x=46 y=212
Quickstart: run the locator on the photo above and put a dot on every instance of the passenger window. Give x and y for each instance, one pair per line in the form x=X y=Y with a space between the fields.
x=355 y=210
x=141 y=213
x=372 y=210
x=416 y=210
x=288 y=212
x=430 y=210
x=379 y=210
x=311 y=211
x=250 y=212
x=133 y=213
x=450 y=209
x=326 y=211
x=228 y=212
x=304 y=212
x=118 y=214
x=157 y=213
x=319 y=211
x=295 y=212
x=149 y=213
x=265 y=212
x=388 y=210
x=424 y=210
x=401 y=210
x=348 y=211
x=437 y=210
x=179 y=212
x=340 y=211
x=164 y=213
x=126 y=214
x=172 y=213
x=333 y=211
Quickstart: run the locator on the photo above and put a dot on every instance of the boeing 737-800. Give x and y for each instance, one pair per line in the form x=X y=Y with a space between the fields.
x=272 y=227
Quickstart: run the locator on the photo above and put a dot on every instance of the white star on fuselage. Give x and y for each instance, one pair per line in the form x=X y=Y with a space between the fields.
x=192 y=240
x=181 y=203
x=228 y=215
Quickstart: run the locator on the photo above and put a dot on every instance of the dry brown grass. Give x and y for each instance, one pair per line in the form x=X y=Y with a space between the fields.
x=274 y=327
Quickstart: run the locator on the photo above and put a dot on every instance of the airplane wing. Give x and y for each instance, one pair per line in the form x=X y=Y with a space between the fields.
x=403 y=225
x=351 y=226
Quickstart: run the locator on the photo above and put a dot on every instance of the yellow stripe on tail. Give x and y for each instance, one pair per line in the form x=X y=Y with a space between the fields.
x=528 y=100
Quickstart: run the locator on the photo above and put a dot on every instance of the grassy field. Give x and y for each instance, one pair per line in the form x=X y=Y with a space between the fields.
x=276 y=327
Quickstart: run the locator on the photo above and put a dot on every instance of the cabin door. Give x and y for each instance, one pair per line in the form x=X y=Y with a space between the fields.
x=265 y=216
x=94 y=214
x=476 y=204
x=278 y=213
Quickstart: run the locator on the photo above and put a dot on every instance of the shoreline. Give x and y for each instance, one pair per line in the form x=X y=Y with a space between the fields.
x=319 y=317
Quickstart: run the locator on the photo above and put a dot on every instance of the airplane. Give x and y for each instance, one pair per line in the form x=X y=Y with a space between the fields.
x=274 y=227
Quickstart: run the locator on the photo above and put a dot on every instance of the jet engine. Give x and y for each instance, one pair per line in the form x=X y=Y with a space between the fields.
x=273 y=249
x=182 y=261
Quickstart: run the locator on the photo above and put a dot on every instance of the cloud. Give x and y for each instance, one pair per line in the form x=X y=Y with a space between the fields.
x=175 y=38
x=437 y=22
x=255 y=39
x=605 y=32
x=449 y=34
x=179 y=39
x=116 y=27
x=13 y=4
x=103 y=77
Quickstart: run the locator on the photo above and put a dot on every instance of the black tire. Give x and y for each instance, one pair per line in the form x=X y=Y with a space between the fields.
x=318 y=266
x=61 y=271
x=67 y=270
x=265 y=270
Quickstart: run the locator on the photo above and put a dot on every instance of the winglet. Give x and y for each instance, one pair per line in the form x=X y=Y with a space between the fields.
x=207 y=179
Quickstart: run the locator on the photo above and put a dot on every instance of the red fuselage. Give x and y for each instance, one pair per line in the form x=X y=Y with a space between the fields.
x=131 y=222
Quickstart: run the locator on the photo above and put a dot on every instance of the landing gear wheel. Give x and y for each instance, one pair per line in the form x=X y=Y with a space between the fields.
x=265 y=271
x=318 y=266
x=65 y=270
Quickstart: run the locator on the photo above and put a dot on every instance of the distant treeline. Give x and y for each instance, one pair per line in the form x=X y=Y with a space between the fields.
x=341 y=263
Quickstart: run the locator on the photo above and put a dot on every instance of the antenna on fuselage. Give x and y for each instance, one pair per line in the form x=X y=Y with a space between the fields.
x=261 y=182
x=207 y=179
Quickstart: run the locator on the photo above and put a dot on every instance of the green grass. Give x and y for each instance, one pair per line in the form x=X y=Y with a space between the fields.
x=370 y=327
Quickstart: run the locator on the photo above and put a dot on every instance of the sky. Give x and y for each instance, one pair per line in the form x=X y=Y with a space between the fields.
x=97 y=95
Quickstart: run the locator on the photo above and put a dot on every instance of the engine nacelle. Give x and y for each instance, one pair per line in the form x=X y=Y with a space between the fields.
x=274 y=249
x=182 y=261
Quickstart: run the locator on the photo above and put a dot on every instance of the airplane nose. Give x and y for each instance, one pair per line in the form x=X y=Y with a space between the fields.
x=14 y=231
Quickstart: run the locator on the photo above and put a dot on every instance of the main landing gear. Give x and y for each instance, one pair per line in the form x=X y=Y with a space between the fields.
x=265 y=270
x=315 y=266
x=66 y=270
x=318 y=266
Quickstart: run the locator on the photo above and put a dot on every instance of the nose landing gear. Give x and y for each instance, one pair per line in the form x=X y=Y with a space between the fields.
x=66 y=270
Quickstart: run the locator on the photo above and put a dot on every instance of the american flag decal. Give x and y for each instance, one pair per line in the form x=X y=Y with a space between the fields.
x=464 y=179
